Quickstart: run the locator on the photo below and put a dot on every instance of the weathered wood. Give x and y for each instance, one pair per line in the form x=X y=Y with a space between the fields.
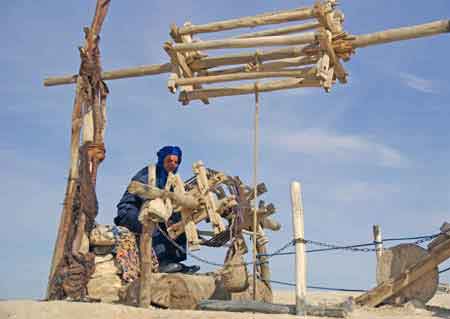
x=277 y=65
x=243 y=306
x=399 y=34
x=325 y=40
x=281 y=31
x=277 y=40
x=248 y=89
x=242 y=58
x=67 y=212
x=252 y=21
x=300 y=255
x=134 y=72
x=395 y=285
x=203 y=186
x=305 y=73
x=397 y=260
x=145 y=250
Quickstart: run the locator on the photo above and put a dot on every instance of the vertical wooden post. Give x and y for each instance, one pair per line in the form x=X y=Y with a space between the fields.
x=145 y=247
x=300 y=256
x=378 y=241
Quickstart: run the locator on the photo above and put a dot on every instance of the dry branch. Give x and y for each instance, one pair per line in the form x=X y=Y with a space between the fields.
x=247 y=89
x=231 y=43
x=252 y=21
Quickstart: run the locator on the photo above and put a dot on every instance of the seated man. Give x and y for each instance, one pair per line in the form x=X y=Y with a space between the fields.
x=169 y=257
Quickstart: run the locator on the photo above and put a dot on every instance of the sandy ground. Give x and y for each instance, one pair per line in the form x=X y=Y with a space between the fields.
x=438 y=307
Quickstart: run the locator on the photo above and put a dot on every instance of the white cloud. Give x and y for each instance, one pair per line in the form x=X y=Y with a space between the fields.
x=420 y=84
x=362 y=191
x=319 y=143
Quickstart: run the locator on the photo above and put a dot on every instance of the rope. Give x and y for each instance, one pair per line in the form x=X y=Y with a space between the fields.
x=317 y=287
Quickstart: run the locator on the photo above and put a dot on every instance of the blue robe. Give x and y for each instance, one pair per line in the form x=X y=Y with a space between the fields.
x=130 y=205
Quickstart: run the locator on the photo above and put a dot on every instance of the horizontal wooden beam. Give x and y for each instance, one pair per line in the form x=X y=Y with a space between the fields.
x=399 y=34
x=299 y=73
x=278 y=40
x=269 y=66
x=251 y=21
x=247 y=89
x=281 y=31
x=143 y=70
x=249 y=57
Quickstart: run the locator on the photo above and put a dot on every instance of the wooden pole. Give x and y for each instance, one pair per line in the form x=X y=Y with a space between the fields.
x=138 y=71
x=248 y=89
x=252 y=21
x=277 y=65
x=308 y=73
x=300 y=255
x=378 y=241
x=399 y=34
x=145 y=248
x=255 y=184
x=277 y=40
x=281 y=31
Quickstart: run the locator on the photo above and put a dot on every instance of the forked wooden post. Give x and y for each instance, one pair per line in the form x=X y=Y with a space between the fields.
x=378 y=241
x=300 y=256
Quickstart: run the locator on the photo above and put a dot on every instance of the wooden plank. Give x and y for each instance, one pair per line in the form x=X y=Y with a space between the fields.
x=280 y=31
x=399 y=34
x=389 y=288
x=305 y=73
x=249 y=89
x=251 y=21
x=278 y=40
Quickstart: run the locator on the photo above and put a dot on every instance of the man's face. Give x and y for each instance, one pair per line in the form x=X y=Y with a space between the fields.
x=170 y=163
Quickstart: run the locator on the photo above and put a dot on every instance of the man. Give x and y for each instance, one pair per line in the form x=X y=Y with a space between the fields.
x=169 y=257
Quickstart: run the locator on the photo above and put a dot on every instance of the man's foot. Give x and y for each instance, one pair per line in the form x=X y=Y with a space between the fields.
x=189 y=269
x=171 y=268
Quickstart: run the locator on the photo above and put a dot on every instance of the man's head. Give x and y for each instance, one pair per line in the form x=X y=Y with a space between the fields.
x=169 y=158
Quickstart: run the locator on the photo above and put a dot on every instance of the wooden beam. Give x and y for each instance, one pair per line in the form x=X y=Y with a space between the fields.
x=278 y=40
x=399 y=34
x=251 y=21
x=325 y=40
x=242 y=58
x=308 y=73
x=248 y=89
x=138 y=71
x=280 y=31
x=145 y=277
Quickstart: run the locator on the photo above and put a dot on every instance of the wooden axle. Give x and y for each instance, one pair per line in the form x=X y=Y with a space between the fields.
x=399 y=34
x=252 y=21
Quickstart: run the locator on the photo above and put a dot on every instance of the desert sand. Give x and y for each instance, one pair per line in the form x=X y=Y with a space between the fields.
x=438 y=307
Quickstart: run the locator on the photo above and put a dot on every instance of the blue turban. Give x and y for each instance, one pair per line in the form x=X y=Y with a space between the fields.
x=162 y=153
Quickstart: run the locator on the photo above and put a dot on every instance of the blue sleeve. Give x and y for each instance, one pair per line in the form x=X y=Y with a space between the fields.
x=129 y=199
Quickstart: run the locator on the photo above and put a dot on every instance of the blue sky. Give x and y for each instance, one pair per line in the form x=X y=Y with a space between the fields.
x=374 y=151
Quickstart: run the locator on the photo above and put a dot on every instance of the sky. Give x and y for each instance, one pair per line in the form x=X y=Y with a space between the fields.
x=373 y=151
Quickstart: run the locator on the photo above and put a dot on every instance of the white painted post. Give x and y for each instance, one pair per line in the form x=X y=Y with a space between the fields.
x=379 y=241
x=300 y=256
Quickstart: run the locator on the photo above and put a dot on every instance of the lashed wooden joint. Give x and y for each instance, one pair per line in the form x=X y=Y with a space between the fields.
x=325 y=41
x=327 y=17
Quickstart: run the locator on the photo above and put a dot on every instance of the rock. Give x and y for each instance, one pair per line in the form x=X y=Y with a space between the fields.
x=105 y=282
x=102 y=235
